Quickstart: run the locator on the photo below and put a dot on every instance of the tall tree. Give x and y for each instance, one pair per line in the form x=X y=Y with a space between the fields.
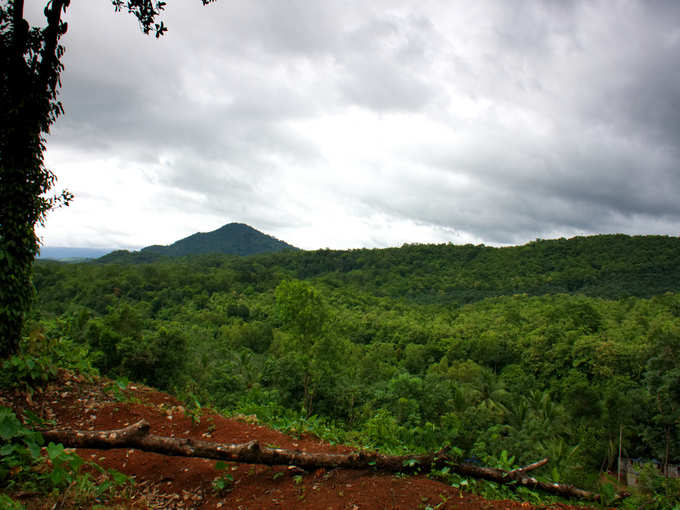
x=663 y=381
x=30 y=59
x=304 y=313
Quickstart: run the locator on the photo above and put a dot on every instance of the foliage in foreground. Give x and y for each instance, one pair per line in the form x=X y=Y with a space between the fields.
x=26 y=463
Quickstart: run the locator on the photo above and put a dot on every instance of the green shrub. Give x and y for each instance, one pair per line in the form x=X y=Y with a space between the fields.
x=26 y=465
x=656 y=491
x=27 y=371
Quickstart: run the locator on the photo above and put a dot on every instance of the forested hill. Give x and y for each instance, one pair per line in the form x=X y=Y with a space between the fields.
x=610 y=266
x=233 y=239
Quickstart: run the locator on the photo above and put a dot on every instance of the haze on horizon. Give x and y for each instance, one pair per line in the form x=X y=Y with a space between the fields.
x=356 y=124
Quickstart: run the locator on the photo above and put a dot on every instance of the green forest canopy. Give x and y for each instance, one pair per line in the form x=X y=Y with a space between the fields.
x=548 y=349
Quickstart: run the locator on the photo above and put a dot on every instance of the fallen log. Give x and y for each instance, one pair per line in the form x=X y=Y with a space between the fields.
x=137 y=436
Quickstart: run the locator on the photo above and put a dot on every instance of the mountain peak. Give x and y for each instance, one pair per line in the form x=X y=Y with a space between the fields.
x=232 y=238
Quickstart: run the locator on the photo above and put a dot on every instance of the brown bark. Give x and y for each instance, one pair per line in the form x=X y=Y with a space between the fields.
x=138 y=436
x=531 y=467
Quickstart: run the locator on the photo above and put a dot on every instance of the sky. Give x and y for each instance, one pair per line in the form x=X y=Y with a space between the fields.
x=347 y=124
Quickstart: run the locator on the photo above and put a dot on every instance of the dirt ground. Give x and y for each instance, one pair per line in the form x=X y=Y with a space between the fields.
x=186 y=483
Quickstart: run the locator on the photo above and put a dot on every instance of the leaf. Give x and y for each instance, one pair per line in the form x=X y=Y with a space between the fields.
x=57 y=476
x=74 y=461
x=118 y=477
x=555 y=474
x=104 y=487
x=10 y=426
x=54 y=450
x=34 y=449
x=8 y=449
x=31 y=418
x=96 y=466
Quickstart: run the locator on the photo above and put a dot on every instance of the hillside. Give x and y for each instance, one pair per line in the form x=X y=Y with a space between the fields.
x=553 y=349
x=231 y=239
x=611 y=266
x=73 y=402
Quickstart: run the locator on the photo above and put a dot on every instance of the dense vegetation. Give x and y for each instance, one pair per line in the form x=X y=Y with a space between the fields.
x=611 y=266
x=556 y=348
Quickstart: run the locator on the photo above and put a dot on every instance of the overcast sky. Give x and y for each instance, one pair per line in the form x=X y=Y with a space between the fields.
x=348 y=124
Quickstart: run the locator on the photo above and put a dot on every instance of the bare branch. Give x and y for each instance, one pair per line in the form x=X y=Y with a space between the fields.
x=138 y=436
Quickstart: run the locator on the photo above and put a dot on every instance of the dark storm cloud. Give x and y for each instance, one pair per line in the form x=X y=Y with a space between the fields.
x=611 y=159
x=637 y=90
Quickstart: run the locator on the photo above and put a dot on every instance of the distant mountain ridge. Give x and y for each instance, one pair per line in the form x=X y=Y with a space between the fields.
x=230 y=239
x=71 y=253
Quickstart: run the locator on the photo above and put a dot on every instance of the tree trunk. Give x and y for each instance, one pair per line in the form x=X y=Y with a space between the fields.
x=138 y=436
x=667 y=452
x=308 y=395
x=27 y=108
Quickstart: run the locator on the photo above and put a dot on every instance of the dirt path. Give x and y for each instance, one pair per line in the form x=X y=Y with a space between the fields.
x=181 y=483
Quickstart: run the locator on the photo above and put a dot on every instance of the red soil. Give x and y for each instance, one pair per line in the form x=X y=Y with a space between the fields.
x=183 y=483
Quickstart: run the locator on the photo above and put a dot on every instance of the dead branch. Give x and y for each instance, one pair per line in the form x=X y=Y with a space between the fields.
x=137 y=436
x=530 y=467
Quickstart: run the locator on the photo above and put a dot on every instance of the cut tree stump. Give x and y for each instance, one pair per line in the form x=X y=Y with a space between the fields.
x=137 y=436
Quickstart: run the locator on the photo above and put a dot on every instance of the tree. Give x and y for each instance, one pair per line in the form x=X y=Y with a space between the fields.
x=663 y=381
x=304 y=313
x=30 y=59
x=301 y=309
